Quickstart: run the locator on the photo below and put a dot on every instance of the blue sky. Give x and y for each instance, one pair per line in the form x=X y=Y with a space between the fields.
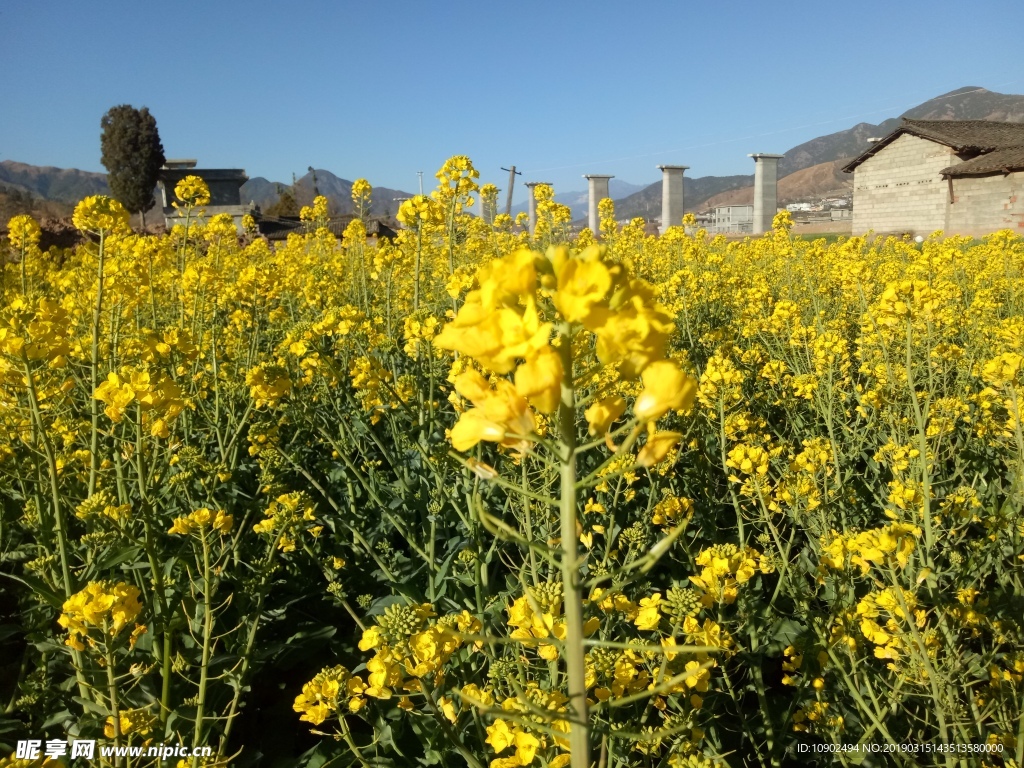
x=382 y=89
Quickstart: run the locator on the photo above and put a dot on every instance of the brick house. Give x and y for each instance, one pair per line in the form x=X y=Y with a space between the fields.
x=961 y=176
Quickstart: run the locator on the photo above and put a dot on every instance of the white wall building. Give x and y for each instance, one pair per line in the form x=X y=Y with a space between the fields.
x=960 y=176
x=732 y=218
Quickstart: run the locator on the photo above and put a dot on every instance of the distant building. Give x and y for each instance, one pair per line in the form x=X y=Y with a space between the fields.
x=225 y=190
x=732 y=218
x=279 y=227
x=836 y=202
x=960 y=176
x=794 y=207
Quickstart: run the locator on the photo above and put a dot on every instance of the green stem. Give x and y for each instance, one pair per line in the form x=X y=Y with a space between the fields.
x=115 y=713
x=575 y=663
x=467 y=755
x=249 y=644
x=24 y=277
x=346 y=734
x=528 y=520
x=161 y=625
x=58 y=515
x=94 y=364
x=207 y=637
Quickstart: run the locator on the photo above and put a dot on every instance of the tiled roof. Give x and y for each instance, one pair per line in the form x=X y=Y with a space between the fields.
x=968 y=135
x=999 y=161
x=278 y=228
x=963 y=136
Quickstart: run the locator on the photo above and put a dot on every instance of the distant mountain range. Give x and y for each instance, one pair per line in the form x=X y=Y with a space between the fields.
x=647 y=202
x=65 y=185
x=810 y=169
x=822 y=155
x=383 y=201
x=69 y=185
x=578 y=201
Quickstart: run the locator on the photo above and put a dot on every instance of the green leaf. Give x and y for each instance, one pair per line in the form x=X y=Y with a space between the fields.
x=62 y=717
x=377 y=609
x=440 y=580
x=111 y=559
x=786 y=631
x=90 y=706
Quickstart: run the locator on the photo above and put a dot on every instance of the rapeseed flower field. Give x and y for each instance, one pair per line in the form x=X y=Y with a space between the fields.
x=494 y=499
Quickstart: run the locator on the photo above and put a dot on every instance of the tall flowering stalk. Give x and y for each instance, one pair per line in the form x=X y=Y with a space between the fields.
x=205 y=528
x=423 y=215
x=100 y=216
x=362 y=193
x=192 y=193
x=537 y=317
x=24 y=234
x=575 y=661
x=95 y=618
x=457 y=181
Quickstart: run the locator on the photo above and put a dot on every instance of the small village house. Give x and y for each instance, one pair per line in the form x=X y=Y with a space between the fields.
x=275 y=228
x=225 y=186
x=959 y=176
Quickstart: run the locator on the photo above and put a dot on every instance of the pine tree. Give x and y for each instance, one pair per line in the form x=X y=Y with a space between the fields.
x=286 y=205
x=132 y=154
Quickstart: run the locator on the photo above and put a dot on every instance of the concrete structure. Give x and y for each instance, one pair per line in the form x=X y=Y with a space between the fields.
x=225 y=190
x=531 y=203
x=766 y=191
x=598 y=192
x=961 y=176
x=671 y=195
x=732 y=219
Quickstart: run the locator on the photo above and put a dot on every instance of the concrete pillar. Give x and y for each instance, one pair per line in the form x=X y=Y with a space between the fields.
x=598 y=192
x=671 y=195
x=766 y=190
x=531 y=203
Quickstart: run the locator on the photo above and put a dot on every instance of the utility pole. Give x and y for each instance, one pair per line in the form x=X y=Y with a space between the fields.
x=420 y=174
x=512 y=173
x=316 y=189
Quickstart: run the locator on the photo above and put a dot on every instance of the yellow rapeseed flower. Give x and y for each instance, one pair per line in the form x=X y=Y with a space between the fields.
x=100 y=214
x=666 y=388
x=99 y=605
x=192 y=191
